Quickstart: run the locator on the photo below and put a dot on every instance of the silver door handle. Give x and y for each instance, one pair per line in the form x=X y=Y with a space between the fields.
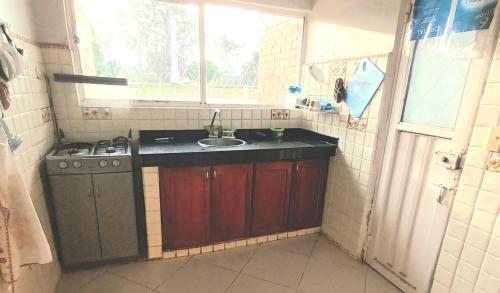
x=442 y=191
x=207 y=174
x=90 y=192
x=215 y=174
x=97 y=192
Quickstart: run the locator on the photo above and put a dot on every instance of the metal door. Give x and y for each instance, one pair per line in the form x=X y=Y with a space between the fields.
x=431 y=119
x=76 y=218
x=114 y=195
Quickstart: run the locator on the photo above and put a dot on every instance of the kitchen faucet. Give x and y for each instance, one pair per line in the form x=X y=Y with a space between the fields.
x=211 y=129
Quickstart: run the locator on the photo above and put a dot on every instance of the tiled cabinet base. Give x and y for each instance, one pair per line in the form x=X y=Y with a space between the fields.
x=154 y=228
x=151 y=185
x=239 y=243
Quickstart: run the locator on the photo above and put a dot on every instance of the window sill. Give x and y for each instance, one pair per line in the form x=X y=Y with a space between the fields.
x=172 y=104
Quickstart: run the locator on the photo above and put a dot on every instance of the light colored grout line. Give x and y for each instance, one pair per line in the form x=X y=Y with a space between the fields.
x=127 y=279
x=251 y=258
x=366 y=279
x=308 y=260
x=175 y=272
x=232 y=282
x=259 y=278
x=89 y=281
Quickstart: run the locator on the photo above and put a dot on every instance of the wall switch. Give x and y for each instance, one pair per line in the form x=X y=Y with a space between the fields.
x=280 y=114
x=493 y=163
x=96 y=113
x=46 y=114
x=494 y=141
x=357 y=123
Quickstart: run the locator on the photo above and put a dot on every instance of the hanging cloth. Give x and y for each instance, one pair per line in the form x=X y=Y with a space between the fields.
x=5 y=100
x=22 y=240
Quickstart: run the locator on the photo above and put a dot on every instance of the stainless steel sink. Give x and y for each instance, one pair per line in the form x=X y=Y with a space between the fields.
x=221 y=142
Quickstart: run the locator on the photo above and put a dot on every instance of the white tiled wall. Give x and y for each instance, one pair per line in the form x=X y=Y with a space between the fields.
x=470 y=256
x=124 y=117
x=349 y=190
x=24 y=118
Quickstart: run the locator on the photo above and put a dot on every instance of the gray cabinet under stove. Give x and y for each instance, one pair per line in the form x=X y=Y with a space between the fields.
x=94 y=207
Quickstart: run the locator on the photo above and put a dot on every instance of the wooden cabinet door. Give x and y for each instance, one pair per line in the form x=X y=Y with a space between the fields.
x=271 y=197
x=308 y=192
x=76 y=219
x=185 y=200
x=230 y=201
x=115 y=203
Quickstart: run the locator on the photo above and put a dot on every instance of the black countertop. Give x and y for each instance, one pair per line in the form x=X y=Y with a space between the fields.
x=183 y=150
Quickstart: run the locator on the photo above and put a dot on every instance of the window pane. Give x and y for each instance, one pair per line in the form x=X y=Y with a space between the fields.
x=251 y=57
x=437 y=80
x=152 y=43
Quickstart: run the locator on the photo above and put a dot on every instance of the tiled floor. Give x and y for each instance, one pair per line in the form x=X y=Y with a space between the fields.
x=310 y=264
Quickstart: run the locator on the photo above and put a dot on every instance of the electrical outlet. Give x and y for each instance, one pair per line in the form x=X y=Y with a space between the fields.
x=280 y=114
x=494 y=141
x=357 y=123
x=96 y=113
x=493 y=163
x=46 y=114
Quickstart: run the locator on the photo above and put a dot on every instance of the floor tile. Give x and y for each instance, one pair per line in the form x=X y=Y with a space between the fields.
x=232 y=259
x=71 y=281
x=198 y=276
x=149 y=273
x=326 y=276
x=375 y=283
x=301 y=245
x=310 y=264
x=328 y=250
x=277 y=266
x=247 y=284
x=108 y=283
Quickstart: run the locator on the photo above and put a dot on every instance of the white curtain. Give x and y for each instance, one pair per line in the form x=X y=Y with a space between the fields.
x=22 y=240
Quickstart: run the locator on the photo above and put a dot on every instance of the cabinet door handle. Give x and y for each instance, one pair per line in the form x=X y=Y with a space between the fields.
x=97 y=192
x=215 y=174
x=207 y=174
x=297 y=167
x=90 y=192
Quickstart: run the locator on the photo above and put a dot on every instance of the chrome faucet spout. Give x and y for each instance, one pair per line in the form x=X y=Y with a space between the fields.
x=211 y=129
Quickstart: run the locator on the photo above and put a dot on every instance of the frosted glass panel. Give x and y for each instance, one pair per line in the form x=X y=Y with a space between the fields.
x=437 y=80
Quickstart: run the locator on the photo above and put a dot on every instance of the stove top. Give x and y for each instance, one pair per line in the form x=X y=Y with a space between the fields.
x=74 y=149
x=118 y=146
x=104 y=156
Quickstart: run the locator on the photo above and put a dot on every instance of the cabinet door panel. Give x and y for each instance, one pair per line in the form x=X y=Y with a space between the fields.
x=76 y=218
x=115 y=202
x=230 y=201
x=308 y=191
x=271 y=197
x=185 y=199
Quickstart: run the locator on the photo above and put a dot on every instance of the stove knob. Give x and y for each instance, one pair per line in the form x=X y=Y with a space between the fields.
x=63 y=164
x=116 y=163
x=77 y=164
x=103 y=163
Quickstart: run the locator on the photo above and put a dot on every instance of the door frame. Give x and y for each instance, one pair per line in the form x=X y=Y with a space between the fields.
x=396 y=77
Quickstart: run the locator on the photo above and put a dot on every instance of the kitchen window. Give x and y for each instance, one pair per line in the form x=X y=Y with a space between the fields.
x=186 y=53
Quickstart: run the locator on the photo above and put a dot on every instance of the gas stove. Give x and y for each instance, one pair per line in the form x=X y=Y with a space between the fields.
x=116 y=146
x=104 y=156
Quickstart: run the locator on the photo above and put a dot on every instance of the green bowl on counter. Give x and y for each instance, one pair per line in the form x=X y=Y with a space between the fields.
x=277 y=133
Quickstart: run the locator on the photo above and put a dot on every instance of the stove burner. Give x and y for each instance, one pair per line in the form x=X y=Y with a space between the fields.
x=117 y=146
x=73 y=151
x=120 y=139
x=110 y=150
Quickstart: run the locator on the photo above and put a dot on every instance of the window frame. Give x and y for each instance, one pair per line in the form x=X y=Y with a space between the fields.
x=202 y=102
